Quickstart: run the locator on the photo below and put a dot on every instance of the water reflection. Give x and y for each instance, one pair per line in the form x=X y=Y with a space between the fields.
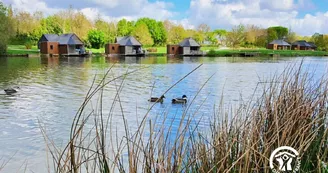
x=52 y=90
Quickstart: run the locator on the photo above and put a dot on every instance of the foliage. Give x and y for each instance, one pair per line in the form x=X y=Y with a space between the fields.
x=176 y=34
x=142 y=34
x=291 y=36
x=25 y=26
x=96 y=38
x=277 y=32
x=156 y=30
x=109 y=30
x=52 y=25
x=221 y=36
x=6 y=28
x=124 y=27
x=236 y=36
x=28 y=44
x=152 y=49
x=321 y=41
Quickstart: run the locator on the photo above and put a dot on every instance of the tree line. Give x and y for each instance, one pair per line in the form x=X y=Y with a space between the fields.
x=21 y=27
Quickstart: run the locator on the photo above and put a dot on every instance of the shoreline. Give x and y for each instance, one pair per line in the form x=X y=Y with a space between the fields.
x=211 y=53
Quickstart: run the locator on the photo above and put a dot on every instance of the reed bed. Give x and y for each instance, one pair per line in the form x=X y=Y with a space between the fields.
x=291 y=110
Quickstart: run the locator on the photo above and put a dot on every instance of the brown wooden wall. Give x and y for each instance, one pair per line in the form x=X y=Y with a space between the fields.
x=298 y=47
x=63 y=49
x=49 y=48
x=112 y=49
x=173 y=49
x=272 y=46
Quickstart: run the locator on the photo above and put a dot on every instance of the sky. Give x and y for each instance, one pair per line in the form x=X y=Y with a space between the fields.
x=304 y=17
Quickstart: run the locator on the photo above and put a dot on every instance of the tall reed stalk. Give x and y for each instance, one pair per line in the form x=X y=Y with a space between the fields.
x=290 y=111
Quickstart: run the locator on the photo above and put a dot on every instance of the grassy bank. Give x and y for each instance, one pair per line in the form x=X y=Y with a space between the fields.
x=265 y=52
x=291 y=110
x=211 y=51
x=21 y=49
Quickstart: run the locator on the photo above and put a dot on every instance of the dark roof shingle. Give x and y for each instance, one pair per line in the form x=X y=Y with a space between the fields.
x=69 y=39
x=127 y=41
x=280 y=42
x=189 y=42
x=302 y=43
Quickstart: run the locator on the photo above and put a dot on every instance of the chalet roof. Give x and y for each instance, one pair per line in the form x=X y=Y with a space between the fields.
x=69 y=39
x=127 y=41
x=302 y=43
x=51 y=37
x=312 y=44
x=189 y=42
x=280 y=43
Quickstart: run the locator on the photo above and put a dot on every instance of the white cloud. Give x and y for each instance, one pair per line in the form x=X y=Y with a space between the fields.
x=278 y=4
x=258 y=12
x=216 y=13
x=32 y=6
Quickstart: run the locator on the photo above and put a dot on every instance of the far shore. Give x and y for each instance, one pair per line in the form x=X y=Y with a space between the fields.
x=210 y=51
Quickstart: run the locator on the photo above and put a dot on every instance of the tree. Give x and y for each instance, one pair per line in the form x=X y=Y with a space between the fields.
x=109 y=30
x=221 y=36
x=236 y=36
x=277 y=32
x=142 y=33
x=202 y=33
x=6 y=28
x=80 y=25
x=291 y=36
x=124 y=27
x=320 y=41
x=176 y=34
x=96 y=38
x=52 y=25
x=156 y=30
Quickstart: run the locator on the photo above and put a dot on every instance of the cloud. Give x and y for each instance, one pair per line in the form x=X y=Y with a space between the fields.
x=219 y=14
x=31 y=6
x=216 y=13
x=109 y=9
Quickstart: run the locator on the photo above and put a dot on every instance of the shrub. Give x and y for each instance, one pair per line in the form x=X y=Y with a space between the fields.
x=211 y=53
x=152 y=49
x=28 y=44
x=96 y=38
x=3 y=48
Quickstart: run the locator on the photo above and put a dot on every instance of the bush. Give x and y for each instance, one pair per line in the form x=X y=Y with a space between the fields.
x=28 y=44
x=211 y=52
x=96 y=38
x=3 y=48
x=152 y=49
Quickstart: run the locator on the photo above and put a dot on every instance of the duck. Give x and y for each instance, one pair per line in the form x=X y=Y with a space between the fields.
x=156 y=99
x=182 y=100
x=10 y=91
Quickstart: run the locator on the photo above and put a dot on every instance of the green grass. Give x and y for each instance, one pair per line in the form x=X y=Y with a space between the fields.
x=20 y=49
x=97 y=51
x=211 y=50
x=266 y=52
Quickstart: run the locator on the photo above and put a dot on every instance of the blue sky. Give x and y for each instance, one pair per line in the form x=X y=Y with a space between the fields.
x=303 y=16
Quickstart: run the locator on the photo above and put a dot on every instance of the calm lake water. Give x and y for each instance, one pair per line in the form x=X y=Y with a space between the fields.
x=52 y=90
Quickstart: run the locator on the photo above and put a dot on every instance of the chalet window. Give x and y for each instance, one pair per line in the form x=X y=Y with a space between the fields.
x=173 y=48
x=51 y=47
x=113 y=48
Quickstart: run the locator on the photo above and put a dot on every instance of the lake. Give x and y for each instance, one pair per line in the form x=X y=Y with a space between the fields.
x=52 y=90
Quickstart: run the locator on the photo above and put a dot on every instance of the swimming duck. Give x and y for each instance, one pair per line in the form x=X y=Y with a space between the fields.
x=156 y=99
x=10 y=91
x=182 y=100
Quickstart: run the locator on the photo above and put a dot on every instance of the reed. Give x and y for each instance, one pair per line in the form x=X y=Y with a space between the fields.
x=291 y=110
